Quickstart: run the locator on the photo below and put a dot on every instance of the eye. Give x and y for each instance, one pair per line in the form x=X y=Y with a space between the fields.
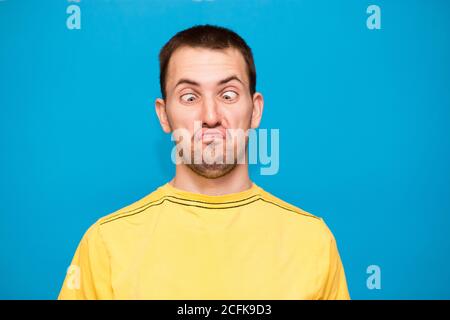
x=229 y=95
x=188 y=98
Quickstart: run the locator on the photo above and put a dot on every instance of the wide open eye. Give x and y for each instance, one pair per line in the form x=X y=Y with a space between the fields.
x=229 y=96
x=188 y=98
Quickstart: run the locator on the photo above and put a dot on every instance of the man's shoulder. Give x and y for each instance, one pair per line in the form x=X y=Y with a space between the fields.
x=133 y=208
x=304 y=223
x=271 y=199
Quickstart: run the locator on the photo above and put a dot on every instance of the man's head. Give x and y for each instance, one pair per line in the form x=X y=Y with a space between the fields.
x=207 y=74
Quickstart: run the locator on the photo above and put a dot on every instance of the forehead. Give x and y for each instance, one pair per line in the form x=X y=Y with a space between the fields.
x=205 y=65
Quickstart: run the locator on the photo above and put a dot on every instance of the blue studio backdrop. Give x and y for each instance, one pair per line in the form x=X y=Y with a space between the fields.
x=362 y=108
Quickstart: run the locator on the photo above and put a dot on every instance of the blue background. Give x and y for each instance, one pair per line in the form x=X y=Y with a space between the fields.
x=363 y=118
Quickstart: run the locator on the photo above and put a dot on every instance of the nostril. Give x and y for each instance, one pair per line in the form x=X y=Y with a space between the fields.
x=211 y=119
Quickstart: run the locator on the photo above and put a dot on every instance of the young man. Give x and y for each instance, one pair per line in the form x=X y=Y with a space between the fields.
x=209 y=233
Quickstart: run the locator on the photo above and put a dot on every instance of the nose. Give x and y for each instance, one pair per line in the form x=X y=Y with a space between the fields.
x=210 y=113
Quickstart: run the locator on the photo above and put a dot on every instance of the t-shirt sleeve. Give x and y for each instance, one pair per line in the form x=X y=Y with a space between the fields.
x=89 y=275
x=335 y=283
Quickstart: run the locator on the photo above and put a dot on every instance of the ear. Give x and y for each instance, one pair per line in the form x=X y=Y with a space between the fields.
x=160 y=107
x=258 y=106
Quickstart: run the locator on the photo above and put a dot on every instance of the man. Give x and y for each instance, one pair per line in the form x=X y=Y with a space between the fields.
x=209 y=233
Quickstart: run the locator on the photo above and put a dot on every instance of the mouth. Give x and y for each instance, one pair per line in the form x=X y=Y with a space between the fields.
x=207 y=135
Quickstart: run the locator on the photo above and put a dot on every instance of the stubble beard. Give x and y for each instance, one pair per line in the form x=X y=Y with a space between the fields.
x=217 y=169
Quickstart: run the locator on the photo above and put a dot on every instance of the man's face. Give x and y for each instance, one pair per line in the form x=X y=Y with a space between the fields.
x=212 y=88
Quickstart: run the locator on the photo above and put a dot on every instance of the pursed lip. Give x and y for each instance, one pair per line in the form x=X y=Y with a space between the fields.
x=210 y=134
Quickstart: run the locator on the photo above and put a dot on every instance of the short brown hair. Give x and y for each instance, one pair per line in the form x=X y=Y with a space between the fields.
x=206 y=36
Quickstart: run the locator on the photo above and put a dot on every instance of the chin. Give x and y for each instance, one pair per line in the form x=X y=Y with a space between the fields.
x=212 y=171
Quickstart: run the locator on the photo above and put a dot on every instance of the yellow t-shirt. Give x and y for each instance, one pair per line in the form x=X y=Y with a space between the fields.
x=174 y=244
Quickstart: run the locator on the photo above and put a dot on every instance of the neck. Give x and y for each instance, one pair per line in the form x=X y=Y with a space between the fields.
x=236 y=180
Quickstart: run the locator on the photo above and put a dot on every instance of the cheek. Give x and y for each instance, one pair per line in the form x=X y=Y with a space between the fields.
x=238 y=116
x=182 y=117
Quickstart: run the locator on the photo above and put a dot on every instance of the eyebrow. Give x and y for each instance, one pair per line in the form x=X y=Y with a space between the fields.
x=195 y=83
